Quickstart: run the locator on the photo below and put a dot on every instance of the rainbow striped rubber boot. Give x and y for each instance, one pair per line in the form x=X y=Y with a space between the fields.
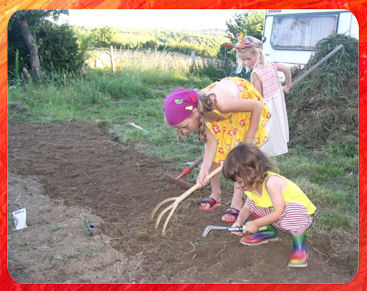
x=261 y=237
x=299 y=254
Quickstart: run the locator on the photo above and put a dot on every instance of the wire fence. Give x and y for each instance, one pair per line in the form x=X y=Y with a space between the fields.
x=118 y=59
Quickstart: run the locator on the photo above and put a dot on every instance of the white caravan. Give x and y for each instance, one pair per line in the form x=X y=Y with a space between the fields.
x=290 y=35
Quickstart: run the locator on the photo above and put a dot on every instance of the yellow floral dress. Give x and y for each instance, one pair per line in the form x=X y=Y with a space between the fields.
x=231 y=131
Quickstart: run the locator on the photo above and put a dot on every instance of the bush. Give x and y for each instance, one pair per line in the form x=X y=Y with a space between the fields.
x=324 y=106
x=58 y=49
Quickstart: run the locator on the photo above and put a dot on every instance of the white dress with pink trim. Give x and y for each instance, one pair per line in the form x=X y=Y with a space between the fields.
x=278 y=129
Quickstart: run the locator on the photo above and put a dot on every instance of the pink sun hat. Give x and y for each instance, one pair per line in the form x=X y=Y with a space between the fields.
x=179 y=105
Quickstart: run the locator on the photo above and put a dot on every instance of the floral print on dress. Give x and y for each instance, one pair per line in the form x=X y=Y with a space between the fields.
x=231 y=131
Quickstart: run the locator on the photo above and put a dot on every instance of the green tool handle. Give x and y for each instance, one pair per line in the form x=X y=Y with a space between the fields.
x=261 y=228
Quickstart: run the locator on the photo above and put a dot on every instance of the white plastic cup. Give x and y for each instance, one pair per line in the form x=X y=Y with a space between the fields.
x=20 y=217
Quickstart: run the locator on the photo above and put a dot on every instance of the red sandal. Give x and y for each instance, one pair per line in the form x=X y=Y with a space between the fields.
x=212 y=203
x=233 y=212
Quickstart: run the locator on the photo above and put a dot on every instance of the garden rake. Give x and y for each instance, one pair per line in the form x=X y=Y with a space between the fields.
x=187 y=170
x=176 y=201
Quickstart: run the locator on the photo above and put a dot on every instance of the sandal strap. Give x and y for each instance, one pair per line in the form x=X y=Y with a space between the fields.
x=209 y=200
x=232 y=211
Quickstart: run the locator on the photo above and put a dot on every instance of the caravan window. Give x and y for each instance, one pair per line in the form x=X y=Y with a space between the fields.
x=301 y=31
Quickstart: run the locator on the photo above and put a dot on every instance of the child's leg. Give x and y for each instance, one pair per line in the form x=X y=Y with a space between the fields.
x=215 y=198
x=230 y=215
x=296 y=221
x=299 y=254
x=263 y=236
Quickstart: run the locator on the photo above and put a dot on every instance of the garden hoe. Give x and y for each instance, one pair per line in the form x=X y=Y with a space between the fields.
x=176 y=202
x=230 y=228
x=178 y=179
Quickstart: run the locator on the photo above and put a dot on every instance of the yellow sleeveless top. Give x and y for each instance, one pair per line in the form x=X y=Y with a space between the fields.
x=232 y=130
x=292 y=193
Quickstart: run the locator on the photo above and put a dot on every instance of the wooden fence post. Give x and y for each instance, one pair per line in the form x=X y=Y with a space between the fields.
x=192 y=64
x=112 y=59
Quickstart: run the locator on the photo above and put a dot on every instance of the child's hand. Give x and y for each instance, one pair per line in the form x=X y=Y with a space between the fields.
x=201 y=179
x=250 y=227
x=286 y=89
x=251 y=141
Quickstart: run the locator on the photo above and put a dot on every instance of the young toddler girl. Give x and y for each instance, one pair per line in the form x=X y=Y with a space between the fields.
x=272 y=201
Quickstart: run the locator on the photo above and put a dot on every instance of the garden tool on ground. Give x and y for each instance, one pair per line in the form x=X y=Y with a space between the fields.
x=90 y=227
x=228 y=228
x=178 y=179
x=315 y=66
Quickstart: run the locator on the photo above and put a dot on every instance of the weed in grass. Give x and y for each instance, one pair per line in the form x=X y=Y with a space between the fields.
x=349 y=149
x=132 y=136
x=23 y=244
x=333 y=220
x=68 y=256
x=54 y=229
x=91 y=252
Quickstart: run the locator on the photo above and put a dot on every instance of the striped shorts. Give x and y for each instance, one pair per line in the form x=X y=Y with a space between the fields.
x=295 y=218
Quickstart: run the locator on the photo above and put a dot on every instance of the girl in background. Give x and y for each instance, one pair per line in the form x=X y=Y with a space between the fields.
x=266 y=81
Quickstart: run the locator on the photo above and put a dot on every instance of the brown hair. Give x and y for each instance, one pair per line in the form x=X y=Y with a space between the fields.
x=249 y=163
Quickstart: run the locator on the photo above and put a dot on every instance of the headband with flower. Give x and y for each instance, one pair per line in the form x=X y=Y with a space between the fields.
x=243 y=41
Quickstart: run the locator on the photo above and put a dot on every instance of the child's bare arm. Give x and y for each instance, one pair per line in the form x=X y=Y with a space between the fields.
x=210 y=150
x=227 y=105
x=288 y=76
x=255 y=80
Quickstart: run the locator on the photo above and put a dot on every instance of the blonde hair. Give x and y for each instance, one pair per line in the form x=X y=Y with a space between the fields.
x=248 y=163
x=255 y=49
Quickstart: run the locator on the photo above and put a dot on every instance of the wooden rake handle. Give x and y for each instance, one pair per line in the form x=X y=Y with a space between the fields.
x=176 y=202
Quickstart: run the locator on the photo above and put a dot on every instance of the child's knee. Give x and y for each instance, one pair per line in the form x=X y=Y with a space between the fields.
x=296 y=227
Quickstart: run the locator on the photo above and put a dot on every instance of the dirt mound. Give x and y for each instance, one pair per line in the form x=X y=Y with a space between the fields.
x=324 y=106
x=57 y=171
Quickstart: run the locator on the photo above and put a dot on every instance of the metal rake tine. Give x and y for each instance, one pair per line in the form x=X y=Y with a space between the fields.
x=160 y=204
x=163 y=212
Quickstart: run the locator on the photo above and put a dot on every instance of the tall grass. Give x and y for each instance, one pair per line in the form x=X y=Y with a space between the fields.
x=163 y=61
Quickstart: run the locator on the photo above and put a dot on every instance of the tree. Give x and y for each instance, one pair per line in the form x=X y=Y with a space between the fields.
x=59 y=50
x=249 y=23
x=26 y=23
x=104 y=36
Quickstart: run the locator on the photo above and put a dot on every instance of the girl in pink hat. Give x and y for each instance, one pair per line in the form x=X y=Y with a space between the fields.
x=224 y=114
